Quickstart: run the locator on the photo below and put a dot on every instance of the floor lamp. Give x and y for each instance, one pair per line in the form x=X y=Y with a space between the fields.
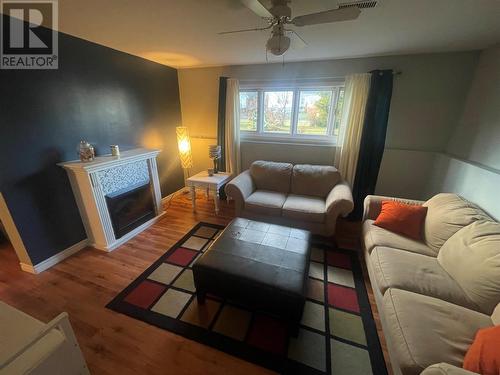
x=184 y=144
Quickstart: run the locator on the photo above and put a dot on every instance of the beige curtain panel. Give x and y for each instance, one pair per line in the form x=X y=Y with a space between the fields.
x=357 y=87
x=232 y=128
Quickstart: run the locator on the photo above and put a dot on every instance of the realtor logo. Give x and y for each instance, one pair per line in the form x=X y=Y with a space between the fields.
x=29 y=34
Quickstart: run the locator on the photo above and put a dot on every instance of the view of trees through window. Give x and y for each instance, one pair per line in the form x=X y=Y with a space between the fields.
x=278 y=111
x=314 y=109
x=299 y=112
x=249 y=110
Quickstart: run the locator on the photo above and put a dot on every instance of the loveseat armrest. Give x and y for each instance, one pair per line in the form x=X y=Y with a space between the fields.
x=240 y=188
x=373 y=205
x=339 y=201
x=445 y=369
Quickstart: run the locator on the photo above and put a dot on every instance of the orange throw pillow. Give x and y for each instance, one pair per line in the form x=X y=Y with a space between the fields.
x=483 y=355
x=405 y=219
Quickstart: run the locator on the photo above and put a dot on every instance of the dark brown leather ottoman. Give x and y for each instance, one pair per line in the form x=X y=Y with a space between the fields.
x=260 y=265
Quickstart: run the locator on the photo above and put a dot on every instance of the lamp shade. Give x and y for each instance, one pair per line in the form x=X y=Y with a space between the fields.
x=184 y=144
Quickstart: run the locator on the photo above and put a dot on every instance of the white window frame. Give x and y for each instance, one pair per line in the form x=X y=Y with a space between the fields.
x=296 y=87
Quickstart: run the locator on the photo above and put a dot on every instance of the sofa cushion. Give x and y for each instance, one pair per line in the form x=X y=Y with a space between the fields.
x=426 y=330
x=446 y=369
x=416 y=273
x=269 y=175
x=495 y=316
x=316 y=180
x=265 y=202
x=472 y=257
x=447 y=214
x=306 y=208
x=376 y=236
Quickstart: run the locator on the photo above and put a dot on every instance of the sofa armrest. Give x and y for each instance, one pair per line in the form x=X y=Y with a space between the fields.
x=373 y=205
x=339 y=201
x=240 y=188
x=445 y=369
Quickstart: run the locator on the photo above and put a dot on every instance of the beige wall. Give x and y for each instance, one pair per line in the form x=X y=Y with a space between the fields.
x=471 y=165
x=477 y=136
x=427 y=101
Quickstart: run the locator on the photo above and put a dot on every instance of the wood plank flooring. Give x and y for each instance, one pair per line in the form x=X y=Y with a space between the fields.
x=84 y=283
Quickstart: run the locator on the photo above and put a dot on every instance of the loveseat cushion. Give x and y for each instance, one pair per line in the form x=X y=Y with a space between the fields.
x=416 y=273
x=426 y=330
x=305 y=208
x=265 y=202
x=472 y=257
x=447 y=214
x=315 y=180
x=375 y=236
x=269 y=175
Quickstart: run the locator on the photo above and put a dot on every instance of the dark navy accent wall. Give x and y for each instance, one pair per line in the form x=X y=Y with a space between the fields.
x=97 y=94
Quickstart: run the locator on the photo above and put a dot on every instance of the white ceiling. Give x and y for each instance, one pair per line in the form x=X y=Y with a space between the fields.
x=183 y=33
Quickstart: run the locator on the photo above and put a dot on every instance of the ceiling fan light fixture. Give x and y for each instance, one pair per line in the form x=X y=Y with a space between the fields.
x=278 y=44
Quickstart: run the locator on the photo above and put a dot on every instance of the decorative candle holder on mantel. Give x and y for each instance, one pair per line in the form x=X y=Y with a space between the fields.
x=214 y=153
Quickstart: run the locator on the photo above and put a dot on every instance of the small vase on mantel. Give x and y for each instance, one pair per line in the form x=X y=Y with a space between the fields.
x=86 y=152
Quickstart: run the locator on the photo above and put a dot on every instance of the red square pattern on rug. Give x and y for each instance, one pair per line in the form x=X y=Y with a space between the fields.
x=181 y=256
x=343 y=298
x=145 y=294
x=268 y=334
x=338 y=260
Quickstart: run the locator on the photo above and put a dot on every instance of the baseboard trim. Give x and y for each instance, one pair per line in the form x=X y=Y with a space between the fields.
x=53 y=260
x=167 y=199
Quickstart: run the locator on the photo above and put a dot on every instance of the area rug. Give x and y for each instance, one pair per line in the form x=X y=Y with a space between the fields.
x=337 y=333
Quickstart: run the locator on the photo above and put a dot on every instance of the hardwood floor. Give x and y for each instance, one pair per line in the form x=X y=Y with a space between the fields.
x=83 y=284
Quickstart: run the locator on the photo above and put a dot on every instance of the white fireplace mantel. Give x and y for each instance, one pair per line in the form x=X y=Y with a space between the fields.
x=92 y=181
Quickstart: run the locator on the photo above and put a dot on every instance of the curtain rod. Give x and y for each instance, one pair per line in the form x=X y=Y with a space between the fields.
x=394 y=72
x=292 y=79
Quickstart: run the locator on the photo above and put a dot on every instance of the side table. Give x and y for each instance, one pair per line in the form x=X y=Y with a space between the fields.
x=209 y=183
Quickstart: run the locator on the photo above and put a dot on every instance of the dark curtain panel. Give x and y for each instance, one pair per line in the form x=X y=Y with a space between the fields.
x=221 y=123
x=373 y=138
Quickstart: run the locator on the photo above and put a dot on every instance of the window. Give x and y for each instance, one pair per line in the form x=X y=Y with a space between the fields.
x=314 y=110
x=248 y=110
x=296 y=114
x=278 y=111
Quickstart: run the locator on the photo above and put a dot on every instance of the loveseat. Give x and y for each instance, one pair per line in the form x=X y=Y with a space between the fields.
x=304 y=196
x=434 y=294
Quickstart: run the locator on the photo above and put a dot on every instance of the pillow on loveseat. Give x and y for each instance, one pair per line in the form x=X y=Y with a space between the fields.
x=315 y=180
x=401 y=218
x=270 y=175
x=483 y=355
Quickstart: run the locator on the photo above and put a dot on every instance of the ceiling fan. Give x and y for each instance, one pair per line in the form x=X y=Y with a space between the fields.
x=280 y=15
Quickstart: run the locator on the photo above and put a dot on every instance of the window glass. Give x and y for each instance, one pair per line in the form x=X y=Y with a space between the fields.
x=338 y=112
x=278 y=111
x=314 y=111
x=249 y=109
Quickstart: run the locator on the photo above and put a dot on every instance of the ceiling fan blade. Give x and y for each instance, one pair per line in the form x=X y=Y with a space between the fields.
x=296 y=41
x=257 y=7
x=334 y=15
x=244 y=30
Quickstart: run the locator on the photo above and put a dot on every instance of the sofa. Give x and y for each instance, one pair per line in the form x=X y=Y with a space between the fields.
x=305 y=196
x=29 y=346
x=433 y=295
